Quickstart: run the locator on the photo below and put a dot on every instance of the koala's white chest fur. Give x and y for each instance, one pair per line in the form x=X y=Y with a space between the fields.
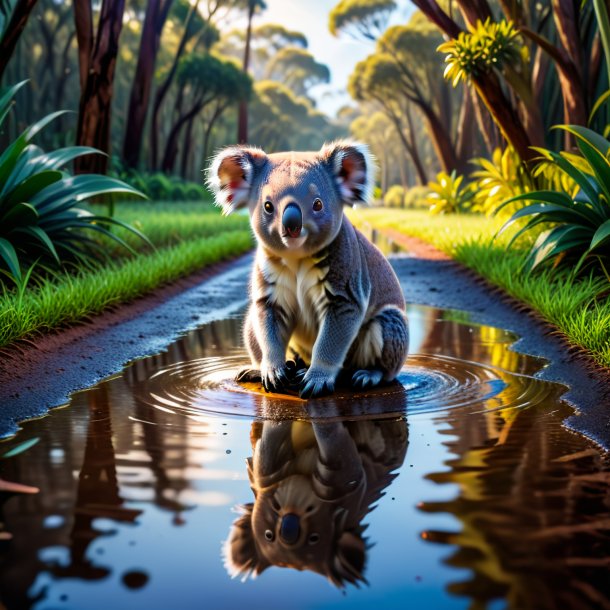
x=298 y=286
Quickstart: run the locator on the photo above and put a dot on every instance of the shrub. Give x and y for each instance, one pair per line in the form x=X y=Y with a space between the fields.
x=394 y=197
x=417 y=196
x=580 y=222
x=39 y=218
x=448 y=196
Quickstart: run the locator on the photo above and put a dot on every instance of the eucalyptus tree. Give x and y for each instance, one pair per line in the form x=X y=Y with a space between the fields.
x=366 y=19
x=14 y=15
x=297 y=69
x=97 y=54
x=252 y=7
x=156 y=15
x=203 y=80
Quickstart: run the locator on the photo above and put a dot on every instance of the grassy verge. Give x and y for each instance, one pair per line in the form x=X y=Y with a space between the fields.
x=187 y=240
x=574 y=305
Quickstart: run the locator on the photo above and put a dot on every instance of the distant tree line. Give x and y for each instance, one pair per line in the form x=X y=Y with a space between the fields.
x=159 y=84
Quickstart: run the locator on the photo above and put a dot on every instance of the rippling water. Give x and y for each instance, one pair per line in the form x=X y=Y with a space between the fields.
x=159 y=485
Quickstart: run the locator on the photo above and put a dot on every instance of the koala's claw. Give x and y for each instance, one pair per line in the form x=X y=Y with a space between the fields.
x=276 y=379
x=364 y=379
x=316 y=384
x=249 y=376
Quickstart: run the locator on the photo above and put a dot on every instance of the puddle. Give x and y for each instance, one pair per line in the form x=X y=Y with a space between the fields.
x=160 y=484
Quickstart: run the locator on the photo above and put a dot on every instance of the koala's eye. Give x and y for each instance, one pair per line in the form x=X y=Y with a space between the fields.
x=313 y=538
x=317 y=204
x=268 y=206
x=269 y=535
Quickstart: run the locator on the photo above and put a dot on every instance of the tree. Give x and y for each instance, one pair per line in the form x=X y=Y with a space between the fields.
x=203 y=80
x=97 y=61
x=297 y=69
x=14 y=15
x=367 y=19
x=196 y=29
x=242 y=121
x=156 y=15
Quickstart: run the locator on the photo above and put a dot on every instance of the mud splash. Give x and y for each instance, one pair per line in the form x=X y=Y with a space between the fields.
x=482 y=497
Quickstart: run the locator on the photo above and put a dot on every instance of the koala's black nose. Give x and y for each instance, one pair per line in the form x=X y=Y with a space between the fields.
x=292 y=219
x=290 y=528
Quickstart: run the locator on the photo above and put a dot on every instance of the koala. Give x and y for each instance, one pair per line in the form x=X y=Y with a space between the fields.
x=313 y=484
x=319 y=287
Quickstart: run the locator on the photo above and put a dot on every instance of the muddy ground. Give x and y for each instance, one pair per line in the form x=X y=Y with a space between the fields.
x=43 y=374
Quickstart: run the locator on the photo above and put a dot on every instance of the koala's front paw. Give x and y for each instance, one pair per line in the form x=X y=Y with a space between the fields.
x=275 y=378
x=317 y=382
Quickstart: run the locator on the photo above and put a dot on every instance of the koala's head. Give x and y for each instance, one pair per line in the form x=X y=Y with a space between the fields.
x=313 y=536
x=295 y=199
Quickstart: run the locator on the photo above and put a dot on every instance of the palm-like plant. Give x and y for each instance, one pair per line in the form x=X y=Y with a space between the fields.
x=39 y=217
x=447 y=195
x=580 y=224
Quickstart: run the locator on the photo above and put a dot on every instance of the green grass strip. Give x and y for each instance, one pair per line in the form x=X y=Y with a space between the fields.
x=573 y=305
x=70 y=299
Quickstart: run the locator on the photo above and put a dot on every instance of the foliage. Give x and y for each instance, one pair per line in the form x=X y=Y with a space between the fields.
x=448 y=196
x=580 y=225
x=395 y=197
x=161 y=187
x=417 y=197
x=486 y=47
x=297 y=69
x=39 y=217
x=361 y=17
x=498 y=179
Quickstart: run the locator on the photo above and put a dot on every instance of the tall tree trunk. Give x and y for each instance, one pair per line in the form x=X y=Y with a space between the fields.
x=242 y=119
x=97 y=62
x=441 y=140
x=163 y=90
x=487 y=86
x=154 y=21
x=171 y=147
x=187 y=147
x=8 y=42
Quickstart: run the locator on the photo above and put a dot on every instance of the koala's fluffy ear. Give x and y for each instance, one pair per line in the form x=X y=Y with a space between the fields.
x=349 y=561
x=231 y=175
x=240 y=553
x=353 y=168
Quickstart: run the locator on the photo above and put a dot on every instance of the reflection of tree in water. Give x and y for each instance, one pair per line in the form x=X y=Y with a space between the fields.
x=165 y=438
x=97 y=438
x=534 y=504
x=98 y=491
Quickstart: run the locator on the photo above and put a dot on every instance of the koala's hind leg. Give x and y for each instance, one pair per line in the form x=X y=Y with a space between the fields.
x=253 y=373
x=380 y=349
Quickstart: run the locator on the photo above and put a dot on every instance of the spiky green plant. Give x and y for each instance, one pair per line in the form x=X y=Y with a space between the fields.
x=447 y=194
x=580 y=223
x=40 y=220
x=487 y=46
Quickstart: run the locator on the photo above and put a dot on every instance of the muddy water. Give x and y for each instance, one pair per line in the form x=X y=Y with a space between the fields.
x=160 y=484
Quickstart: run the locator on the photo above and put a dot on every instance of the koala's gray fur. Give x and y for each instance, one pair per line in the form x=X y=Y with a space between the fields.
x=328 y=293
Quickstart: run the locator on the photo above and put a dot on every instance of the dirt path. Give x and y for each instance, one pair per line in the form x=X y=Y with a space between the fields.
x=43 y=375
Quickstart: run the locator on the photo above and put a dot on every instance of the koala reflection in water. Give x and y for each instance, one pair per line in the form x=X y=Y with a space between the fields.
x=319 y=287
x=313 y=484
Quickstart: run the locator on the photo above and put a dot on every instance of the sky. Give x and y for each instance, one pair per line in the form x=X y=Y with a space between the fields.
x=340 y=54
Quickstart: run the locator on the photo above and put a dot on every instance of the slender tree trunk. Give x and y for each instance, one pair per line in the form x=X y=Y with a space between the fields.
x=97 y=62
x=156 y=16
x=414 y=150
x=8 y=42
x=171 y=147
x=187 y=147
x=163 y=90
x=465 y=132
x=441 y=140
x=242 y=119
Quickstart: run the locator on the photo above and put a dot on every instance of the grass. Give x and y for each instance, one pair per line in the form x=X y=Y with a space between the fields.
x=186 y=238
x=577 y=306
